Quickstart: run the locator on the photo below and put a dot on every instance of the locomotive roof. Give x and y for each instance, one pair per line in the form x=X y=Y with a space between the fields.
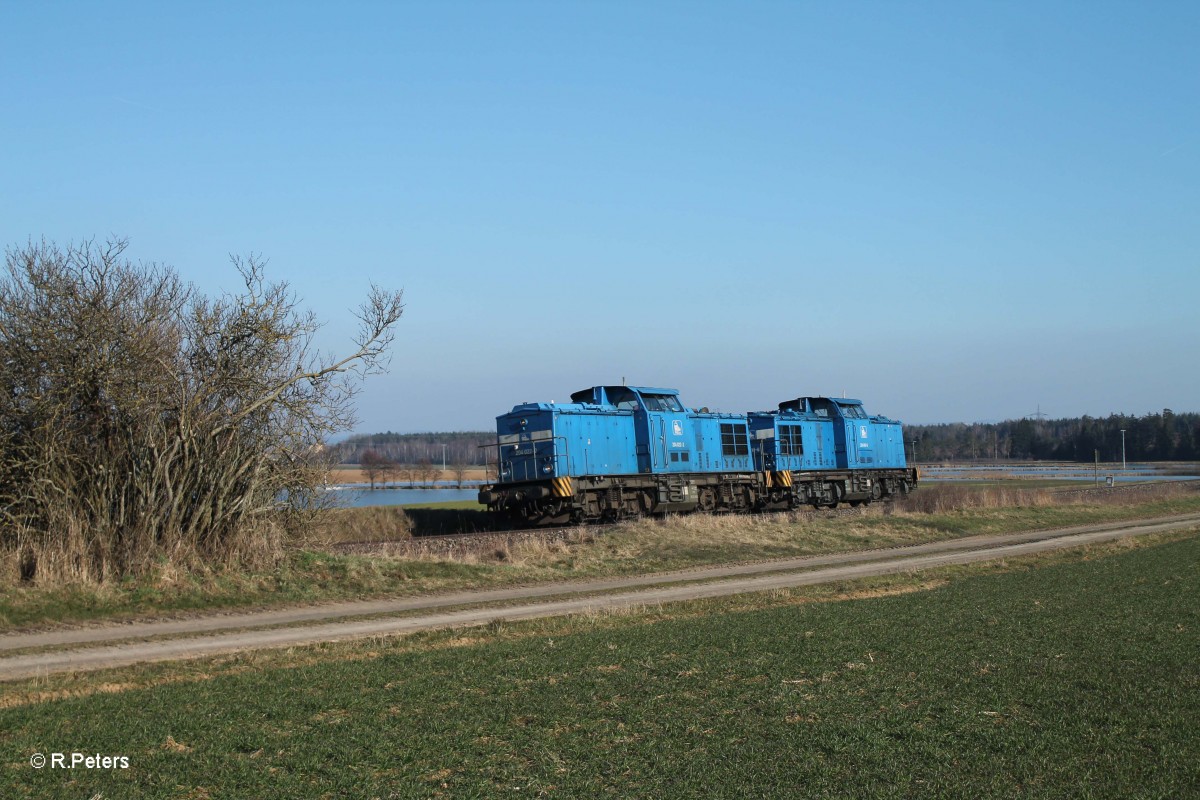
x=841 y=401
x=589 y=394
x=638 y=389
x=586 y=398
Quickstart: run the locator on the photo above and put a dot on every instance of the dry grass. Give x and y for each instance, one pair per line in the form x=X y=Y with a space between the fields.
x=676 y=542
x=79 y=556
x=940 y=498
x=368 y=524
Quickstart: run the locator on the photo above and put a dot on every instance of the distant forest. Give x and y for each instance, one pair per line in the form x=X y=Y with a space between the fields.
x=1155 y=437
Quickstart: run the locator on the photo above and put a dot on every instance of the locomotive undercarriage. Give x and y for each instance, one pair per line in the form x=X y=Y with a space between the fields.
x=564 y=501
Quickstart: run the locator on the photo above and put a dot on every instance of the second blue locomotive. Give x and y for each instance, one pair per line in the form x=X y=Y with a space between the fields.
x=621 y=451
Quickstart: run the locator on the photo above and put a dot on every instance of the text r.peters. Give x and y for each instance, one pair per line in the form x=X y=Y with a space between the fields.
x=97 y=761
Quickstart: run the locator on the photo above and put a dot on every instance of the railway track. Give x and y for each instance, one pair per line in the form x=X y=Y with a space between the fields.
x=122 y=645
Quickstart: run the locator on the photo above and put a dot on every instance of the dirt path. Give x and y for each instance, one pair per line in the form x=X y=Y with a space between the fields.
x=226 y=633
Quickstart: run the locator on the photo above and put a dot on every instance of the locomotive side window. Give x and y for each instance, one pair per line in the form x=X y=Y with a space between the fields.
x=790 y=441
x=822 y=407
x=622 y=398
x=734 y=441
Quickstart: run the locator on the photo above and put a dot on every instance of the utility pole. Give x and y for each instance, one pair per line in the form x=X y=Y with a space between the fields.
x=1122 y=449
x=914 y=444
x=443 y=458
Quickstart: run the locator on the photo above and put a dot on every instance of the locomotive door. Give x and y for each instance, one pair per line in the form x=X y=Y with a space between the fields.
x=671 y=448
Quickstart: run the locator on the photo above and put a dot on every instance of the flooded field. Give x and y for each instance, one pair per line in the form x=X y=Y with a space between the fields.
x=1060 y=472
x=356 y=496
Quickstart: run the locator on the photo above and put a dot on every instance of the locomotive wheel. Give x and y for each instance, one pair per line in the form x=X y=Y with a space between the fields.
x=835 y=491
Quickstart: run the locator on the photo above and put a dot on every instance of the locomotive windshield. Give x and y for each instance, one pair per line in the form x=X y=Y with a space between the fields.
x=662 y=402
x=853 y=412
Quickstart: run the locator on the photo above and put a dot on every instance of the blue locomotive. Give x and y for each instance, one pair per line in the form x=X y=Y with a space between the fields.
x=621 y=451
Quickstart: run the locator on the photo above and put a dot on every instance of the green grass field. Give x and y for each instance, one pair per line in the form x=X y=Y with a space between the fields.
x=1078 y=678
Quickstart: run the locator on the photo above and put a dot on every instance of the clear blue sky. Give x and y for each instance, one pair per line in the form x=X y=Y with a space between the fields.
x=955 y=211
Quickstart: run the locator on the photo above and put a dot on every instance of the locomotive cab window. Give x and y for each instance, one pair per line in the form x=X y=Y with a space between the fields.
x=853 y=412
x=623 y=398
x=790 y=442
x=822 y=407
x=662 y=402
x=734 y=440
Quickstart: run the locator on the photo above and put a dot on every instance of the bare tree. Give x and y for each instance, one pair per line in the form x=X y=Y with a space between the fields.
x=140 y=419
x=460 y=473
x=391 y=471
x=373 y=464
x=409 y=475
x=425 y=471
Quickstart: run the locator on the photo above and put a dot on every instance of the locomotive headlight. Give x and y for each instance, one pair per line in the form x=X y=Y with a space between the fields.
x=547 y=469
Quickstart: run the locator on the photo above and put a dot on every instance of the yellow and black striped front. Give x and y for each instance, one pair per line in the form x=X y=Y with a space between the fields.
x=783 y=479
x=562 y=487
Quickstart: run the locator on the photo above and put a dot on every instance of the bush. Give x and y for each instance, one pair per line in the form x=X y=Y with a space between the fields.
x=140 y=420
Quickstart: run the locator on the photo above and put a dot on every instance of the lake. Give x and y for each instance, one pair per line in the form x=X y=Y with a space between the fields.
x=356 y=497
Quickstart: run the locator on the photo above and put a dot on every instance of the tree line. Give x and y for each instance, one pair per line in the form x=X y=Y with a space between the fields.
x=1164 y=436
